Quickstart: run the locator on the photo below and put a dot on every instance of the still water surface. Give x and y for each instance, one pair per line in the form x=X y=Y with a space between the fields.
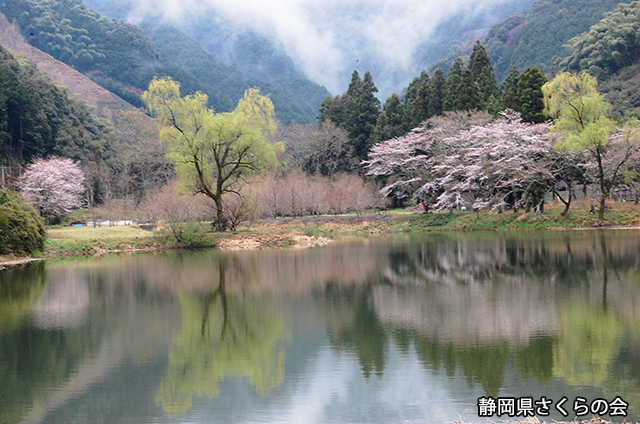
x=390 y=330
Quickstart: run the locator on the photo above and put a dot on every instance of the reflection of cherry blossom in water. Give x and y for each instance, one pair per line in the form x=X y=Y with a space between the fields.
x=64 y=303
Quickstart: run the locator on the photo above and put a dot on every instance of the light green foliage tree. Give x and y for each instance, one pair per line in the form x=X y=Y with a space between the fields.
x=213 y=152
x=583 y=123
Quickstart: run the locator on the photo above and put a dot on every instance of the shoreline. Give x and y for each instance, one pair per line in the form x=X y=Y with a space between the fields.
x=306 y=232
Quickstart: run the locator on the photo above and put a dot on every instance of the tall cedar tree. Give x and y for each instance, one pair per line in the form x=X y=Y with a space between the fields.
x=483 y=75
x=391 y=120
x=438 y=90
x=420 y=107
x=409 y=96
x=362 y=110
x=468 y=93
x=332 y=110
x=453 y=82
x=531 y=98
x=511 y=97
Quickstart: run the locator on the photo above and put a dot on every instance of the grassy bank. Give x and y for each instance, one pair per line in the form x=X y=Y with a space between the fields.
x=317 y=230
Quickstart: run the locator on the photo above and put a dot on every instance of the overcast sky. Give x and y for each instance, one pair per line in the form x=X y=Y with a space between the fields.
x=330 y=38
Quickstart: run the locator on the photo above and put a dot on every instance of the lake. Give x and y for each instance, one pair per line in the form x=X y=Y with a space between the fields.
x=396 y=329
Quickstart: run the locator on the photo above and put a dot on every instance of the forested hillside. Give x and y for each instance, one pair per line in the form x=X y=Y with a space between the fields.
x=537 y=36
x=296 y=99
x=610 y=51
x=105 y=103
x=38 y=119
x=121 y=58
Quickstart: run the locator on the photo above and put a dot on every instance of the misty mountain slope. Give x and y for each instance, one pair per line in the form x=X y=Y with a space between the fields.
x=292 y=105
x=121 y=58
x=537 y=37
x=460 y=32
x=259 y=55
x=288 y=42
x=229 y=60
x=117 y=56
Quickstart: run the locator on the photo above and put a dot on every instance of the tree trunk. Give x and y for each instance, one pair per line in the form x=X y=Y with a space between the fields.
x=567 y=203
x=220 y=223
x=603 y=191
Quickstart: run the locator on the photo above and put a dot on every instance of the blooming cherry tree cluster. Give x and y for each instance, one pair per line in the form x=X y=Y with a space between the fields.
x=498 y=163
x=53 y=186
x=411 y=164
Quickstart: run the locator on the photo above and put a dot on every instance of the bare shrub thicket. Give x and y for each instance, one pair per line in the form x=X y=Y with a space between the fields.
x=299 y=194
x=181 y=216
x=323 y=150
x=239 y=209
x=170 y=206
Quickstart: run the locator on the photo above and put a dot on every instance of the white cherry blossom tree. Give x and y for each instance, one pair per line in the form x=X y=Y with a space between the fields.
x=53 y=186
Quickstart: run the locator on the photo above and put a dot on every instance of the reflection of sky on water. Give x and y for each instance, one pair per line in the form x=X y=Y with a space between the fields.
x=330 y=388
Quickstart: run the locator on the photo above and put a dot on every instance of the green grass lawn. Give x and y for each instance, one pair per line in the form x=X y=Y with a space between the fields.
x=83 y=240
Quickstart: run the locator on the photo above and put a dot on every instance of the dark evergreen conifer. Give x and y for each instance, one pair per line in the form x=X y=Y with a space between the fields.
x=362 y=108
x=467 y=93
x=531 y=97
x=438 y=90
x=391 y=121
x=453 y=81
x=420 y=107
x=483 y=75
x=511 y=96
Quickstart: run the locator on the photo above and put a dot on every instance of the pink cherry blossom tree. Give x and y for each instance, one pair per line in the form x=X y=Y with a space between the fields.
x=53 y=186
x=498 y=163
x=410 y=165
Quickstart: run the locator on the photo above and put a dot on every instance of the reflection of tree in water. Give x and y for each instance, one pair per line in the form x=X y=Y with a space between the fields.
x=473 y=305
x=587 y=343
x=481 y=364
x=364 y=334
x=624 y=372
x=223 y=335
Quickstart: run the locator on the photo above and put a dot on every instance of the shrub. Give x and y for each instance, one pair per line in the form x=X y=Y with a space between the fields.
x=21 y=228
